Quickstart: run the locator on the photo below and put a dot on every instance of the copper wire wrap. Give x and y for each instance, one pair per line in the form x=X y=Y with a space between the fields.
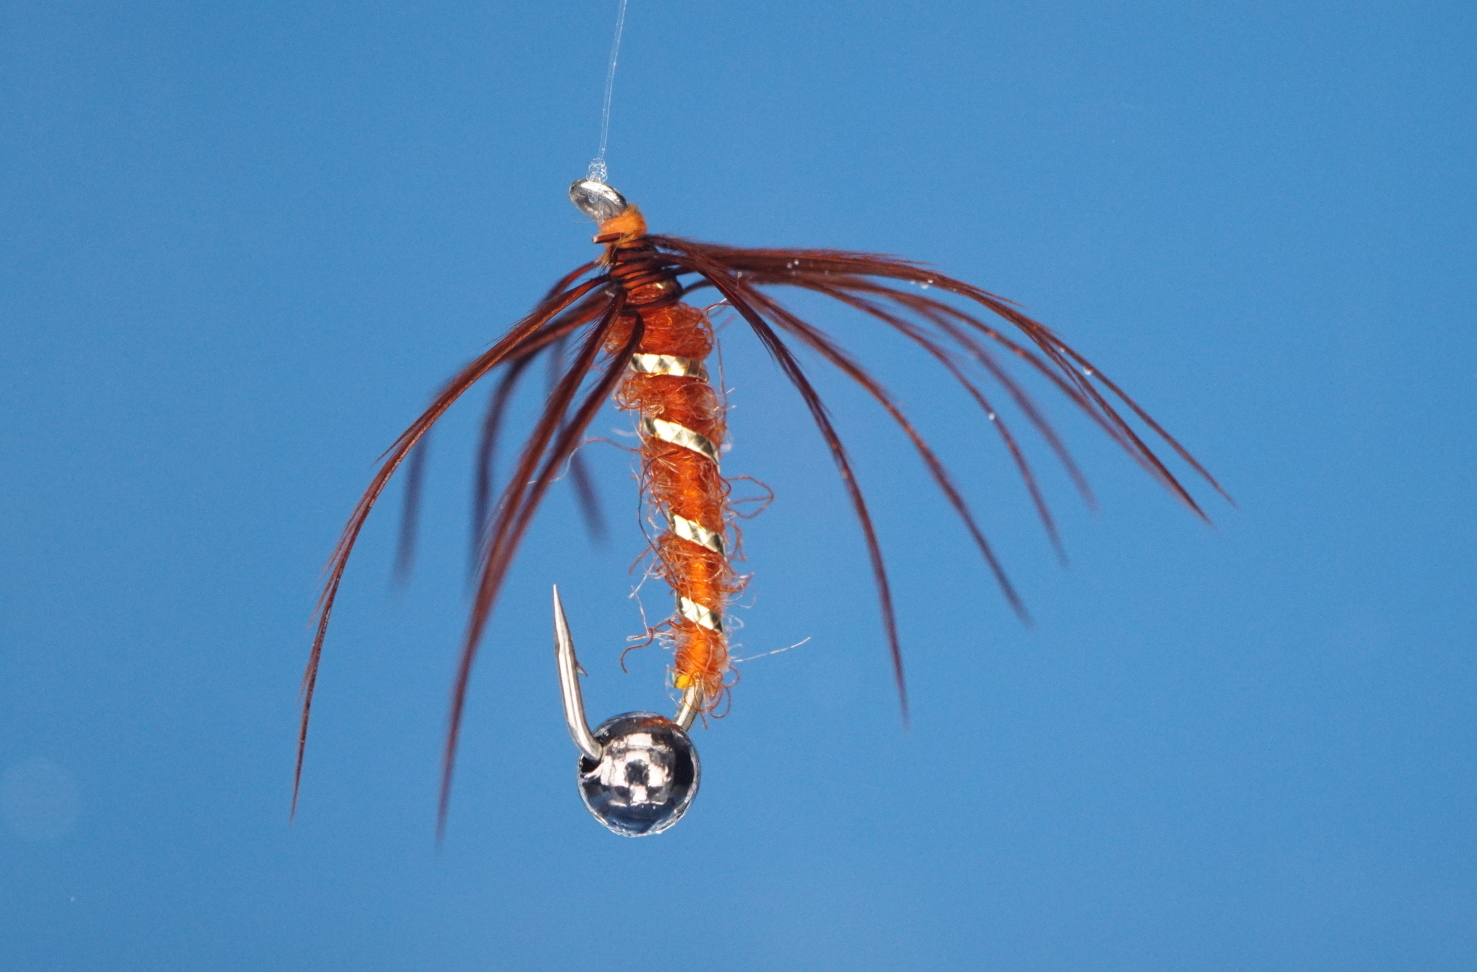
x=681 y=422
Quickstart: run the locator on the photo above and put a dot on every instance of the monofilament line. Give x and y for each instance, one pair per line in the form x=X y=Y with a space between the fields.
x=597 y=164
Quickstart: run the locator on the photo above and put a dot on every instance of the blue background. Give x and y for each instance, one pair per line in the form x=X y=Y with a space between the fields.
x=243 y=243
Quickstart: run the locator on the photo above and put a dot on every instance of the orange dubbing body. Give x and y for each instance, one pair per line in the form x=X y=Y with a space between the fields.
x=679 y=480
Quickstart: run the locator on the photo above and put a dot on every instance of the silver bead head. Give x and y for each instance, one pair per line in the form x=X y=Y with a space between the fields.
x=597 y=200
x=646 y=776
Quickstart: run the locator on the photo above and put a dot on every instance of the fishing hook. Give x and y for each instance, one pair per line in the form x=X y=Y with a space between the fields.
x=638 y=771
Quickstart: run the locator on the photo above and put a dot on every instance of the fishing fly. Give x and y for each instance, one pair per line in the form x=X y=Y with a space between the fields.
x=620 y=328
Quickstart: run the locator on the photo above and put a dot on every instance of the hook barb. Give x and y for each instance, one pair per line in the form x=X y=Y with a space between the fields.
x=569 y=685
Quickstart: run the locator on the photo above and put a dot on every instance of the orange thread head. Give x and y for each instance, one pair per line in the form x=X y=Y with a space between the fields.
x=629 y=225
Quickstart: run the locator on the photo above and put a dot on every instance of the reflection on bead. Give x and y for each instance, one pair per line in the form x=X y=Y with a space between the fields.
x=646 y=778
x=597 y=200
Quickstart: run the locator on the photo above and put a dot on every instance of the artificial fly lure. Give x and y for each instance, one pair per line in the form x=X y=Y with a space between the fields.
x=633 y=339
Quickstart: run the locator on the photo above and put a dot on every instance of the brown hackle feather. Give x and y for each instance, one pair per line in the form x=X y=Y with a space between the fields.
x=548 y=447
x=483 y=467
x=415 y=475
x=391 y=461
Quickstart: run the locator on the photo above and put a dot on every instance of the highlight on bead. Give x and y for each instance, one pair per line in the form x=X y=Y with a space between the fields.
x=618 y=329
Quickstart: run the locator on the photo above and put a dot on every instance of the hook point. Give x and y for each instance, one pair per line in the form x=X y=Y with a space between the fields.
x=569 y=684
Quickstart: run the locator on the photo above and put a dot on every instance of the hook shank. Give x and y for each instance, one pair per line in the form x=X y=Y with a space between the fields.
x=691 y=705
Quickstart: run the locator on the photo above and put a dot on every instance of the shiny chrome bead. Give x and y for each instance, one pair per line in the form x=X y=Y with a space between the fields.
x=646 y=777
